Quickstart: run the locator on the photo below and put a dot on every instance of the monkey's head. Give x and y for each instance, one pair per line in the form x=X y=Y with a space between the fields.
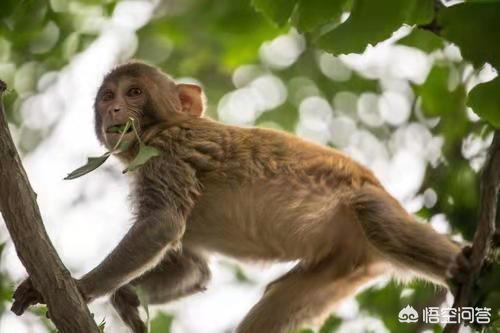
x=142 y=92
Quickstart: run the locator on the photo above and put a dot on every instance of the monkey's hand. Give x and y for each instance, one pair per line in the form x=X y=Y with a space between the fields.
x=126 y=303
x=25 y=296
x=85 y=291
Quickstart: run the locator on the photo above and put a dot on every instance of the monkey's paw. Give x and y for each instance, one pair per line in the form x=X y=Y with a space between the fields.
x=25 y=296
x=126 y=303
x=459 y=268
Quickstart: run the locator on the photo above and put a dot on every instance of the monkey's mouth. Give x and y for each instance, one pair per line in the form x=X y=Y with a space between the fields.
x=119 y=129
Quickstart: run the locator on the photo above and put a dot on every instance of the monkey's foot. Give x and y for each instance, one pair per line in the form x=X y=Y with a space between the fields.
x=126 y=303
x=25 y=296
x=460 y=268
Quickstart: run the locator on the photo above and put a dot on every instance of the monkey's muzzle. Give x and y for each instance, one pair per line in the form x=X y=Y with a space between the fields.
x=119 y=129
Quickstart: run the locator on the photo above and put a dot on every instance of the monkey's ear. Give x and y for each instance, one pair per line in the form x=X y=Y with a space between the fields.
x=192 y=99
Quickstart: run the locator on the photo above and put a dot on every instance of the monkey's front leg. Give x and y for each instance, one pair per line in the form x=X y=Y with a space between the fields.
x=141 y=249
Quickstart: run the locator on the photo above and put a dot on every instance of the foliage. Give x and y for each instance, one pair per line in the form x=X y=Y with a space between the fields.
x=472 y=26
x=5 y=287
x=41 y=36
x=485 y=100
x=161 y=323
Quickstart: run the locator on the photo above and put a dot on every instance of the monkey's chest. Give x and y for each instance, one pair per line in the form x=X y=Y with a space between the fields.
x=268 y=220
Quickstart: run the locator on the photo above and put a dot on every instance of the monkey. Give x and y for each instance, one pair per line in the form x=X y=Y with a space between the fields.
x=250 y=193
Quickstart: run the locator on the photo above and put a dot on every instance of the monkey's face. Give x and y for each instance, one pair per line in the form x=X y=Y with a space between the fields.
x=116 y=103
x=146 y=95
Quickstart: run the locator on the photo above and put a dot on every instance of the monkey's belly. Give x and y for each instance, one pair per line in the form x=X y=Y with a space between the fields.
x=271 y=220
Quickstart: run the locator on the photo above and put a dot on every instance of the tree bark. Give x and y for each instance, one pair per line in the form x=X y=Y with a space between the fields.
x=22 y=216
x=490 y=184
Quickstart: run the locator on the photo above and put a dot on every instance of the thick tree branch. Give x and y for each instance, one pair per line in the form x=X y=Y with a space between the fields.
x=22 y=216
x=490 y=184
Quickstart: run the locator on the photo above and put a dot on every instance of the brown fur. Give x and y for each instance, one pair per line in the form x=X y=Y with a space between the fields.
x=254 y=194
x=260 y=194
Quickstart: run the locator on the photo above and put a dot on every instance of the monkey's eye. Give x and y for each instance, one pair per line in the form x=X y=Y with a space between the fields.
x=133 y=92
x=107 y=96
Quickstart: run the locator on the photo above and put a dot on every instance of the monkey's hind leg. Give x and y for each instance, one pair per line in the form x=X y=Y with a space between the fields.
x=304 y=295
x=179 y=274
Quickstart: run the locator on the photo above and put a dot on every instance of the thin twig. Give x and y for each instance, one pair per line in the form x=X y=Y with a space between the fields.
x=490 y=184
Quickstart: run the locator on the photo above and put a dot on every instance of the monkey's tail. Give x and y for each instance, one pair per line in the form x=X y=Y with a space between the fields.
x=407 y=243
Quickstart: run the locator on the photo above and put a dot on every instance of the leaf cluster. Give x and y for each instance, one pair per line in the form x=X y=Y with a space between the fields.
x=473 y=26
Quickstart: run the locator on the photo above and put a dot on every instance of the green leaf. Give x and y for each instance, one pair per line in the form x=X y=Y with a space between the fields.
x=278 y=11
x=422 y=12
x=441 y=98
x=145 y=154
x=92 y=164
x=311 y=14
x=391 y=298
x=120 y=128
x=5 y=286
x=95 y=162
x=437 y=98
x=474 y=27
x=423 y=40
x=330 y=325
x=8 y=7
x=162 y=323
x=124 y=129
x=484 y=99
x=369 y=23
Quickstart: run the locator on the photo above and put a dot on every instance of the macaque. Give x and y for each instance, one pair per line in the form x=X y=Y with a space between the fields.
x=249 y=193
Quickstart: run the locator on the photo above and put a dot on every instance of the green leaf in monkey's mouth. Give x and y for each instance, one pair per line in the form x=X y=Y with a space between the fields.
x=120 y=128
x=144 y=154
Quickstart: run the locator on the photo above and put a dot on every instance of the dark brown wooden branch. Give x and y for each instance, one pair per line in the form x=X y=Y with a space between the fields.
x=490 y=184
x=22 y=216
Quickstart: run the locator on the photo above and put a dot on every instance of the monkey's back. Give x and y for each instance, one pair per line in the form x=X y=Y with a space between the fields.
x=269 y=195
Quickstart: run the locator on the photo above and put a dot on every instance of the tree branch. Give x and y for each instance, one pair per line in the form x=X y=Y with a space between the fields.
x=22 y=216
x=490 y=184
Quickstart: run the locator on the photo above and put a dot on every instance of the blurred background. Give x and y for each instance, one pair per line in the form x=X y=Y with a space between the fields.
x=397 y=106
